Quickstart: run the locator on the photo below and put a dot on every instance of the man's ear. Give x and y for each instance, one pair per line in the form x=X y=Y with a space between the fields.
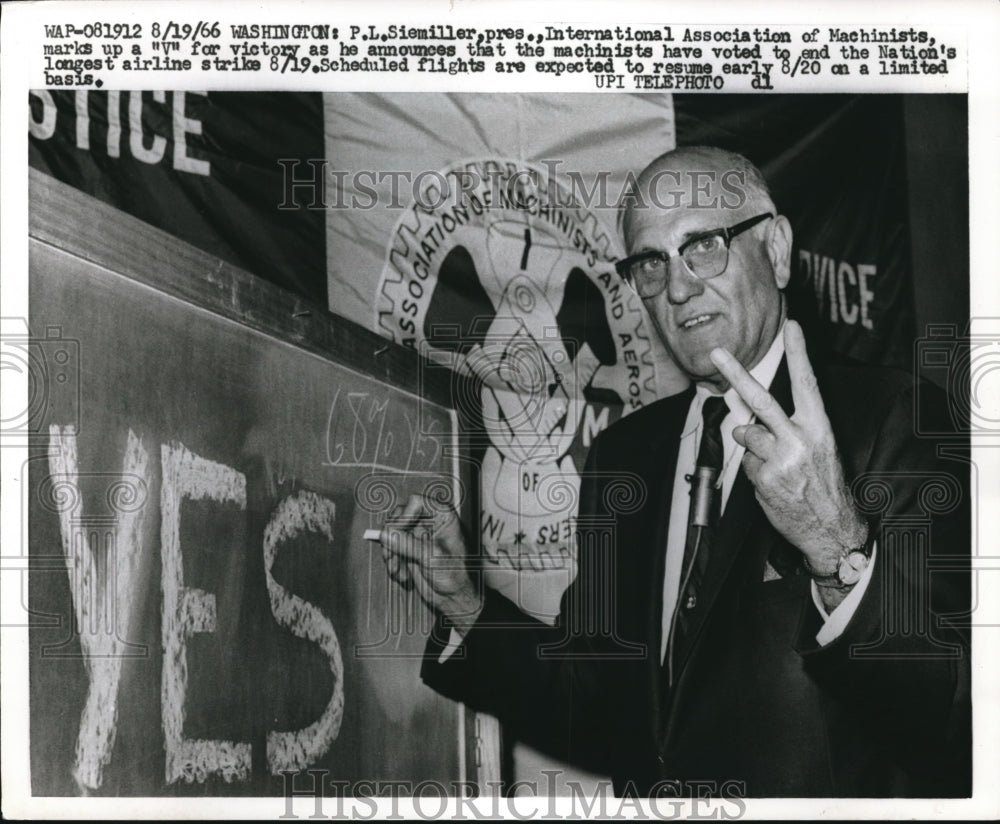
x=779 y=249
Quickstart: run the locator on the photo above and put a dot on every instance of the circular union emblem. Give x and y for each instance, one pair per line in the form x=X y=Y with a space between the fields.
x=498 y=272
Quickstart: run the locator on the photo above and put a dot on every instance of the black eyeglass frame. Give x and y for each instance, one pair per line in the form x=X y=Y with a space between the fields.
x=624 y=266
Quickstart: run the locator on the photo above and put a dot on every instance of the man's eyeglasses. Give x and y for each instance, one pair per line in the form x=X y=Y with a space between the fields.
x=705 y=256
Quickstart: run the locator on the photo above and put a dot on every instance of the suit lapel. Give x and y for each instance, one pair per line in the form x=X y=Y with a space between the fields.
x=741 y=518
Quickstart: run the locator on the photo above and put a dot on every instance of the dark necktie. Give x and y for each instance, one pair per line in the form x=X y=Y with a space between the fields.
x=698 y=546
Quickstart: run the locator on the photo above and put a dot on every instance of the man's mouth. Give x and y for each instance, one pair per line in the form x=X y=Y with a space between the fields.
x=696 y=321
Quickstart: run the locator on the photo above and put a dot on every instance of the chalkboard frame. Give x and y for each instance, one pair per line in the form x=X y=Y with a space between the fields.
x=104 y=235
x=81 y=225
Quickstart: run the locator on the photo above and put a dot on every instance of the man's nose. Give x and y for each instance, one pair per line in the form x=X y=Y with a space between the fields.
x=681 y=284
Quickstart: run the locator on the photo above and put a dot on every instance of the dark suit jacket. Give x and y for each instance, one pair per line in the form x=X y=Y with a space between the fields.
x=881 y=711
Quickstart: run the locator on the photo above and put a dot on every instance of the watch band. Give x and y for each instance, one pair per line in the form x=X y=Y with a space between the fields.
x=833 y=580
x=829 y=580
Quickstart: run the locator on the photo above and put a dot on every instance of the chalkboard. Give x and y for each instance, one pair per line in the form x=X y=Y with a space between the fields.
x=207 y=451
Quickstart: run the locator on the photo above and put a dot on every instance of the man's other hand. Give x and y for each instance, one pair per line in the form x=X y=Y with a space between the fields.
x=424 y=548
x=793 y=462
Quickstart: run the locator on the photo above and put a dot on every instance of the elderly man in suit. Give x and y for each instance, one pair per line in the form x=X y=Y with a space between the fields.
x=758 y=608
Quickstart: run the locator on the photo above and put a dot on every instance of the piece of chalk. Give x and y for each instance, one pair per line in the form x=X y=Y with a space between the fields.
x=373 y=535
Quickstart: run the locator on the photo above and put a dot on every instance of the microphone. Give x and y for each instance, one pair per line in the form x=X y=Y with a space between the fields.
x=702 y=493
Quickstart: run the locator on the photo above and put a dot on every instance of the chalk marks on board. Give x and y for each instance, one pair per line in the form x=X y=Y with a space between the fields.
x=189 y=610
x=100 y=605
x=303 y=512
x=368 y=430
x=102 y=572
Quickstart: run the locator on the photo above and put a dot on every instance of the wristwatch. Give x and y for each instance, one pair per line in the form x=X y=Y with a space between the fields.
x=850 y=567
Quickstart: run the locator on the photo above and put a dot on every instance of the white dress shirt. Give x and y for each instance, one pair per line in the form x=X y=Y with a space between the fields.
x=739 y=414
